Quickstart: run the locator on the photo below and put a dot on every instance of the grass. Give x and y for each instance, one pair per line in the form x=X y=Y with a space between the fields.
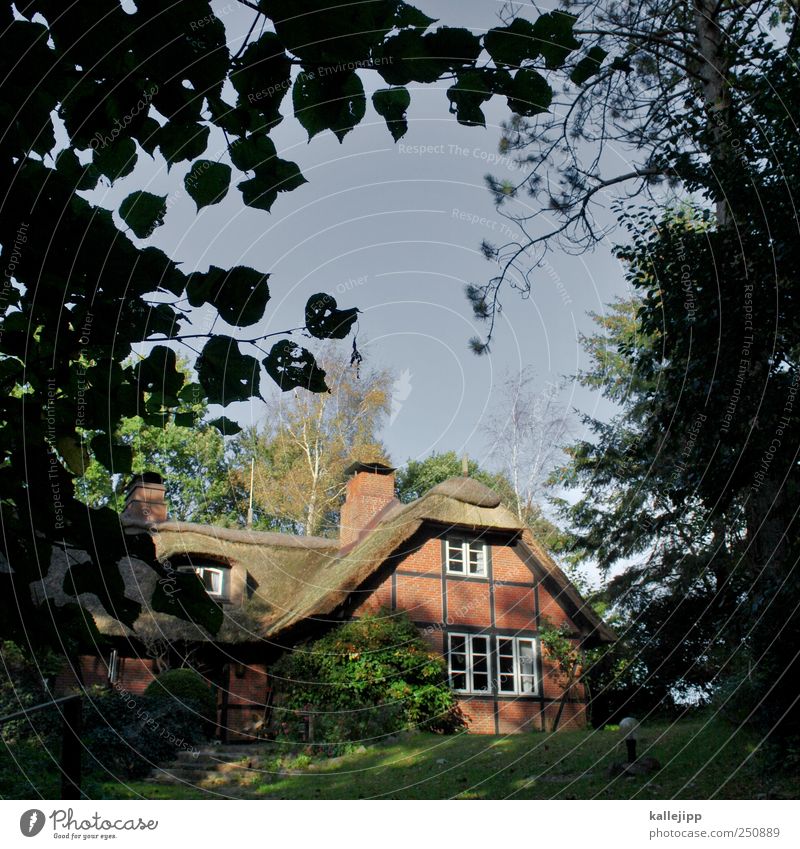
x=700 y=760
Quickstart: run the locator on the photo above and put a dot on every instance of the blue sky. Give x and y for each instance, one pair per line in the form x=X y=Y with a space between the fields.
x=395 y=229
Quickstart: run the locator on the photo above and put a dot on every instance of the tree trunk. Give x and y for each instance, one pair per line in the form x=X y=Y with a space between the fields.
x=565 y=695
x=716 y=94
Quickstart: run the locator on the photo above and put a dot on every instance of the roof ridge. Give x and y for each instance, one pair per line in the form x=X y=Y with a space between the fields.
x=247 y=536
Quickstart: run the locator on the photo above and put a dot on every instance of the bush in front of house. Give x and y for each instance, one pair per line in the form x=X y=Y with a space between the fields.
x=127 y=734
x=187 y=689
x=23 y=684
x=361 y=682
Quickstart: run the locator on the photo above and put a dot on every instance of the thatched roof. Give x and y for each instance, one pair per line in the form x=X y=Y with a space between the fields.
x=294 y=579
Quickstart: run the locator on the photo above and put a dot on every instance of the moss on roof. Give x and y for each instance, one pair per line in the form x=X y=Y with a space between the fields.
x=295 y=578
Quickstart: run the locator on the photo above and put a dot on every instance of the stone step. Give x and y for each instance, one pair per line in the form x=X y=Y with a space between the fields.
x=227 y=752
x=215 y=764
x=201 y=777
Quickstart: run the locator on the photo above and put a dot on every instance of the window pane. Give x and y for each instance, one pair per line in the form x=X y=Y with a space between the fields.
x=506 y=664
x=505 y=647
x=480 y=682
x=526 y=657
x=458 y=662
x=479 y=645
x=455 y=556
x=506 y=683
x=480 y=664
x=458 y=680
x=527 y=684
x=477 y=559
x=458 y=643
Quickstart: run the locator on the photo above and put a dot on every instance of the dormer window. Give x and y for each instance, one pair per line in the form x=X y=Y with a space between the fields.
x=466 y=557
x=214 y=579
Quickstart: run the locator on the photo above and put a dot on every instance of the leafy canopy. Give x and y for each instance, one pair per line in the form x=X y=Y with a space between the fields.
x=82 y=288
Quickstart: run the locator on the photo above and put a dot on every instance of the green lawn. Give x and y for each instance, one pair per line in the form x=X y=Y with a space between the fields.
x=700 y=760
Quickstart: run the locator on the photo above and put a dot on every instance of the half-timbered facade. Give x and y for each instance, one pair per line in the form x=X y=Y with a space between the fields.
x=471 y=577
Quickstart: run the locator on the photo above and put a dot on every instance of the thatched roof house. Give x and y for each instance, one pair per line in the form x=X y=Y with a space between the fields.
x=282 y=579
x=456 y=560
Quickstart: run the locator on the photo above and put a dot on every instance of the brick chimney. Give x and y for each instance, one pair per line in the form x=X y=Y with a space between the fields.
x=369 y=489
x=145 y=502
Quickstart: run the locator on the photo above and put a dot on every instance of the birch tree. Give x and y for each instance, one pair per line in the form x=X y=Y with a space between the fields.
x=303 y=448
x=524 y=436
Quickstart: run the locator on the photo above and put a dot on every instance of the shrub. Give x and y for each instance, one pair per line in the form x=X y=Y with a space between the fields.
x=128 y=734
x=22 y=685
x=362 y=681
x=184 y=688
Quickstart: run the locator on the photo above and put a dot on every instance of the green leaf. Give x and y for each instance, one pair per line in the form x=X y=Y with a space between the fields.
x=328 y=101
x=410 y=56
x=258 y=193
x=409 y=16
x=555 y=38
x=158 y=373
x=118 y=459
x=225 y=426
x=254 y=150
x=240 y=295
x=226 y=374
x=262 y=77
x=467 y=95
x=117 y=159
x=160 y=271
x=286 y=175
x=146 y=133
x=192 y=393
x=207 y=182
x=82 y=177
x=588 y=66
x=512 y=45
x=293 y=367
x=272 y=175
x=454 y=45
x=178 y=141
x=403 y=58
x=324 y=321
x=330 y=35
x=143 y=212
x=529 y=94
x=392 y=104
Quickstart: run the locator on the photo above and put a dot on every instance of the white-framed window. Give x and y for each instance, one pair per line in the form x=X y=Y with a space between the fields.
x=469 y=663
x=466 y=557
x=516 y=666
x=212 y=578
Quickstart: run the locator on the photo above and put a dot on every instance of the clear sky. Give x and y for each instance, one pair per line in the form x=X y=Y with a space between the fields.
x=395 y=231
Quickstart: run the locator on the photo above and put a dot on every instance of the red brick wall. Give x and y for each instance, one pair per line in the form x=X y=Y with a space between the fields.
x=133 y=674
x=514 y=607
x=550 y=608
x=518 y=715
x=418 y=591
x=479 y=713
x=247 y=692
x=366 y=495
x=506 y=565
